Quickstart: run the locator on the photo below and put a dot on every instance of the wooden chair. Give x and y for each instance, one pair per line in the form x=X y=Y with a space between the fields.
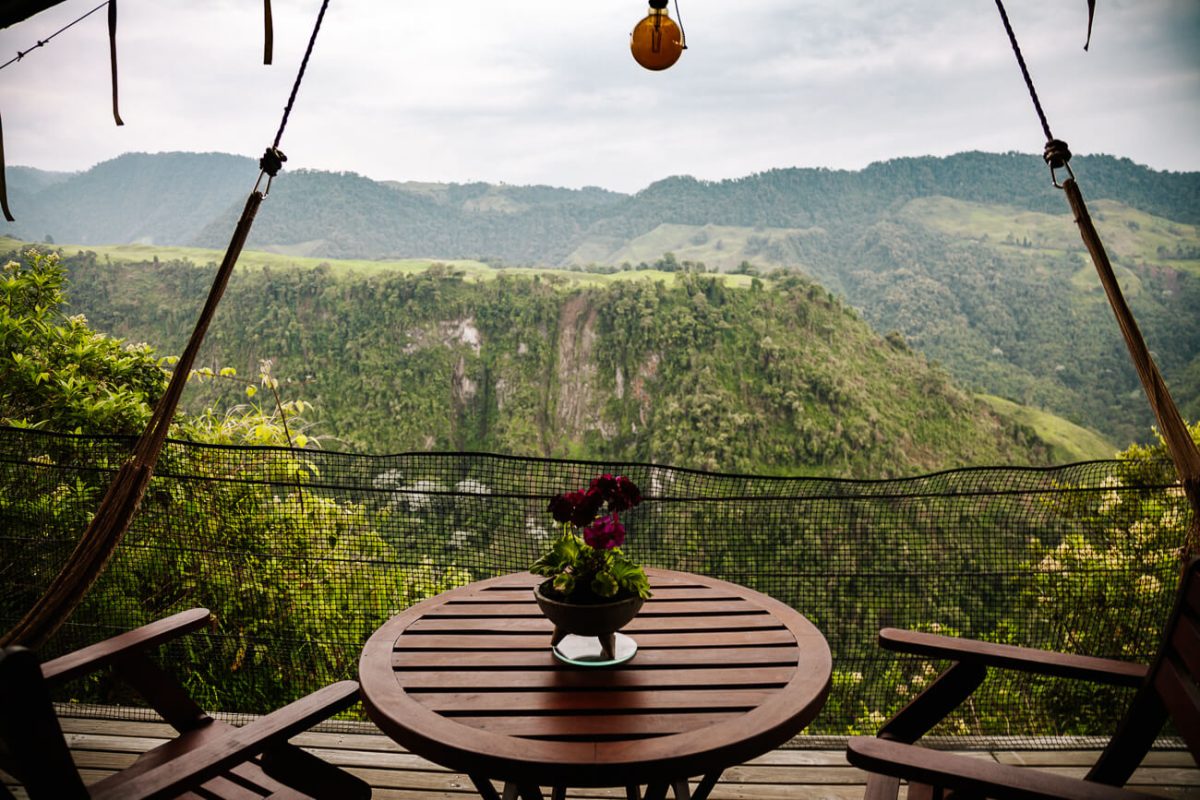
x=208 y=759
x=1165 y=688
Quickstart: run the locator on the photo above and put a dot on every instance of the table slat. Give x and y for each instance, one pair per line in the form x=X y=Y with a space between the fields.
x=660 y=592
x=653 y=607
x=574 y=725
x=714 y=642
x=556 y=678
x=778 y=655
x=517 y=703
x=639 y=623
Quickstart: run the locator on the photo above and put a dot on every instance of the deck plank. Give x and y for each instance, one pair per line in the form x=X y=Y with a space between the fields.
x=101 y=746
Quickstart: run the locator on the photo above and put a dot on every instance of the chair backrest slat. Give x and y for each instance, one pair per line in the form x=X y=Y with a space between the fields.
x=30 y=730
x=1191 y=597
x=1185 y=640
x=1181 y=696
x=1176 y=673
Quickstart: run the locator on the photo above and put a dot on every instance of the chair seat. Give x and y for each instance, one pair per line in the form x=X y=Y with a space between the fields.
x=275 y=773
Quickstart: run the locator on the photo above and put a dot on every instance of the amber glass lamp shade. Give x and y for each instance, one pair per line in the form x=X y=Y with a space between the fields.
x=656 y=41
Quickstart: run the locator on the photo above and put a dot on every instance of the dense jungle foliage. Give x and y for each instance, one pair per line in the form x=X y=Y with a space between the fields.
x=779 y=378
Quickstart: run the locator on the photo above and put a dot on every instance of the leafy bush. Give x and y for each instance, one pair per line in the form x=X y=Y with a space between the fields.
x=276 y=562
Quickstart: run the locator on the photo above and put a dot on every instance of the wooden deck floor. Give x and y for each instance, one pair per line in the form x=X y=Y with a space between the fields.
x=102 y=746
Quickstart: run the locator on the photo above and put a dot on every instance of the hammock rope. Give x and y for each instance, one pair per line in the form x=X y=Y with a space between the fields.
x=99 y=541
x=1182 y=448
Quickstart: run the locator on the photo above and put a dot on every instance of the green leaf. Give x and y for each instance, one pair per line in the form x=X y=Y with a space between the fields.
x=564 y=583
x=604 y=584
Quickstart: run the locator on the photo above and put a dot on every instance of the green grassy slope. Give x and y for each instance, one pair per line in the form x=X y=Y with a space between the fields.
x=1069 y=442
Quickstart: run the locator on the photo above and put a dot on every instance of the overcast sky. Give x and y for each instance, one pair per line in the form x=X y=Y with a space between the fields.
x=545 y=91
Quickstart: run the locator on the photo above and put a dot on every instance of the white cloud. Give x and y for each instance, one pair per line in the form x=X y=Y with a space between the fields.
x=541 y=91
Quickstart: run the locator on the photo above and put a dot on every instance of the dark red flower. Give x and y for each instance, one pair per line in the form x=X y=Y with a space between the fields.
x=625 y=495
x=587 y=506
x=561 y=508
x=605 y=484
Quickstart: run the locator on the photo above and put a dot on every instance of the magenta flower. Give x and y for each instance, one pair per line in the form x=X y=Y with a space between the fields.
x=605 y=533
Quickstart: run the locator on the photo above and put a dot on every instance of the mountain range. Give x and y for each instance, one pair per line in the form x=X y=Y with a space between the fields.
x=971 y=259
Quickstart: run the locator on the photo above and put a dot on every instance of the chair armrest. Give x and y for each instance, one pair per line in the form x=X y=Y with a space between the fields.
x=976 y=776
x=1024 y=659
x=101 y=654
x=176 y=772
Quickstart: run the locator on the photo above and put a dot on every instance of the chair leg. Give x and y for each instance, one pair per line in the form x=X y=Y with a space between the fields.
x=882 y=787
x=922 y=791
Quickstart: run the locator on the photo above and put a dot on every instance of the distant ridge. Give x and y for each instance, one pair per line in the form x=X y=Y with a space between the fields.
x=194 y=199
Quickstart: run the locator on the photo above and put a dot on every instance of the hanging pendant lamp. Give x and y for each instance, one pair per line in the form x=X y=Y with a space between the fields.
x=657 y=41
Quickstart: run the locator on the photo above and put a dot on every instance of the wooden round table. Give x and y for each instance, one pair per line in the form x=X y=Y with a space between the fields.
x=722 y=674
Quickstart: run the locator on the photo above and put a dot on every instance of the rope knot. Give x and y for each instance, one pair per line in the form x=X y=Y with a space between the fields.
x=1057 y=153
x=272 y=161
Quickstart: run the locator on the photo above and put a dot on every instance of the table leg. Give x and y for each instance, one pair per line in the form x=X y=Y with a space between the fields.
x=656 y=791
x=633 y=793
x=559 y=793
x=524 y=791
x=485 y=788
x=706 y=785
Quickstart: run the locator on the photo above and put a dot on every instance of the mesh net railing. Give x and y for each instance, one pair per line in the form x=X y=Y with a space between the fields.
x=301 y=554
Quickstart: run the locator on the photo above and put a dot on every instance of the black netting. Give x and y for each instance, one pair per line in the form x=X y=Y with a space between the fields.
x=301 y=554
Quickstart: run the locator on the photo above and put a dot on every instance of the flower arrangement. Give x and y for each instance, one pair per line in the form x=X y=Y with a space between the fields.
x=584 y=562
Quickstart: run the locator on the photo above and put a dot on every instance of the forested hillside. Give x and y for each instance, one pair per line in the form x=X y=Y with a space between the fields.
x=778 y=378
x=193 y=198
x=973 y=259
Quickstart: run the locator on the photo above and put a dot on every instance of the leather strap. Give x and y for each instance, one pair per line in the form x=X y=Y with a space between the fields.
x=112 y=55
x=3 y=183
x=268 y=33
